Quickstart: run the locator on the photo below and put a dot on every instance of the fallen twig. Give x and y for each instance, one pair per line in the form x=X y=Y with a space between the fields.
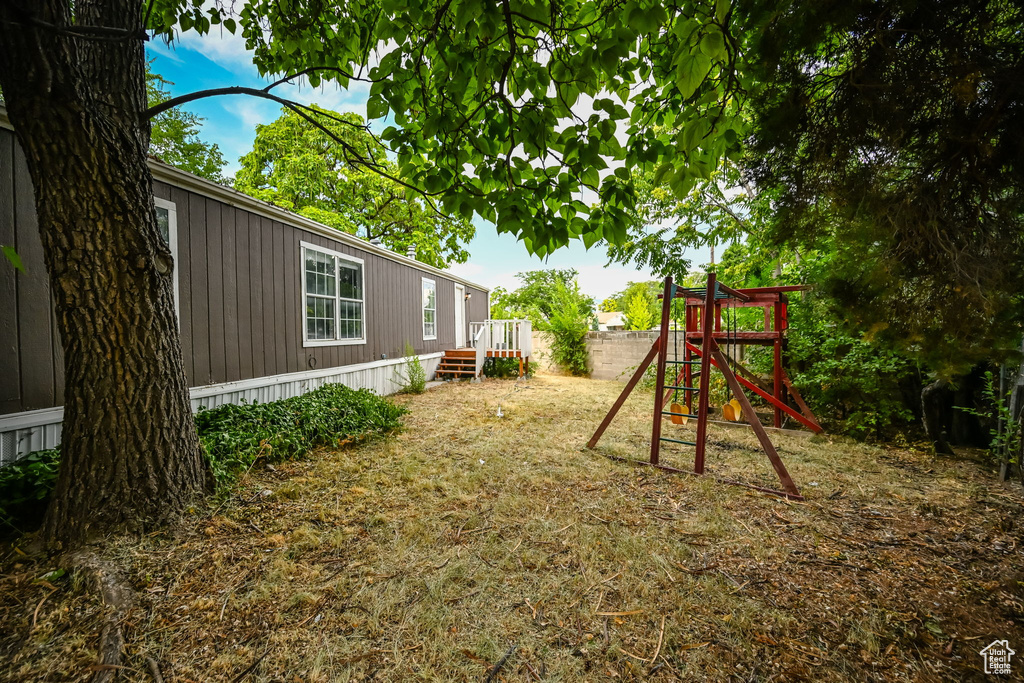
x=501 y=662
x=661 y=635
x=35 y=615
x=251 y=667
x=154 y=670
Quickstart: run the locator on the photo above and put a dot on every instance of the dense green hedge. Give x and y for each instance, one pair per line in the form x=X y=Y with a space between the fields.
x=233 y=437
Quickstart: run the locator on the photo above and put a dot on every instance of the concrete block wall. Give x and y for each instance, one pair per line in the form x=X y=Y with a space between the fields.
x=614 y=354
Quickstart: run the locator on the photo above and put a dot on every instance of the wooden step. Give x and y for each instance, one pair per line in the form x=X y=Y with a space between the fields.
x=460 y=353
x=468 y=373
x=457 y=362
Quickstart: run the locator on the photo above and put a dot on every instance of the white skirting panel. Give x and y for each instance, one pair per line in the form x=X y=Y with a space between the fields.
x=37 y=430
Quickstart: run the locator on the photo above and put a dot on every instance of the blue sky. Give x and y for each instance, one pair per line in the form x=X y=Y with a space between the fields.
x=200 y=62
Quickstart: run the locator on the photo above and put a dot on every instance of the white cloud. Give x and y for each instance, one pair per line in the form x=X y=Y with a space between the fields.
x=163 y=50
x=221 y=47
x=601 y=282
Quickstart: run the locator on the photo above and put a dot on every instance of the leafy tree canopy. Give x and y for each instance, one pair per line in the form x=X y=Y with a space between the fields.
x=886 y=135
x=647 y=290
x=174 y=138
x=891 y=132
x=721 y=209
x=639 y=314
x=311 y=167
x=483 y=99
x=540 y=296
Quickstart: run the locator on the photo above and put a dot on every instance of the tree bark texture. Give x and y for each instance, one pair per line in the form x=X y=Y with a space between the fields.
x=130 y=455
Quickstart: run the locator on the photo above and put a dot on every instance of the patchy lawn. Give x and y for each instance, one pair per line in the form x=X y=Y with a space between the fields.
x=472 y=539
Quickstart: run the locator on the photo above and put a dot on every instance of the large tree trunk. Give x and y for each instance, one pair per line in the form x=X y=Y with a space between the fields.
x=130 y=454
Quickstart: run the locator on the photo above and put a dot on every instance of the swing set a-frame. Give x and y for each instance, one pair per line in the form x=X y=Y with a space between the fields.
x=703 y=338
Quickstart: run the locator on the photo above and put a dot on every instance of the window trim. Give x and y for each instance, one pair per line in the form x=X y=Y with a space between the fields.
x=424 y=309
x=172 y=244
x=312 y=343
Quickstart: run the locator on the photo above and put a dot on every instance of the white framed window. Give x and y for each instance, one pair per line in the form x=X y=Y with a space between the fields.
x=332 y=298
x=167 y=223
x=429 y=309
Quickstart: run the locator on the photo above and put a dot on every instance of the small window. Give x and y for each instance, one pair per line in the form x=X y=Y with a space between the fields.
x=333 y=293
x=167 y=224
x=429 y=310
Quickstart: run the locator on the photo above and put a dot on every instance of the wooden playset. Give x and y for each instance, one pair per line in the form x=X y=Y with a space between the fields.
x=703 y=340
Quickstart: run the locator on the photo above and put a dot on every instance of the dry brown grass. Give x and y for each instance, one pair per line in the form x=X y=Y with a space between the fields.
x=432 y=555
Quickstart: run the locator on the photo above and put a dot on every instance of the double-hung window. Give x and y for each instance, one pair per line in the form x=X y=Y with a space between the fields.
x=167 y=224
x=429 y=310
x=333 y=297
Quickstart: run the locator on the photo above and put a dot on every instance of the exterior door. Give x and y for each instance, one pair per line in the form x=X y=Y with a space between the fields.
x=460 y=316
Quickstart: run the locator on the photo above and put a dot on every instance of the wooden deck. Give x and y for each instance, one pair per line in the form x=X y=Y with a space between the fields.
x=489 y=339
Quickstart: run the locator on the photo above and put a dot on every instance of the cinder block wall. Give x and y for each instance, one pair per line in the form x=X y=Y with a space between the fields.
x=613 y=354
x=616 y=354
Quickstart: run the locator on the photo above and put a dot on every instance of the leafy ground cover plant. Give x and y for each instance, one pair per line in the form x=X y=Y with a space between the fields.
x=233 y=438
x=25 y=488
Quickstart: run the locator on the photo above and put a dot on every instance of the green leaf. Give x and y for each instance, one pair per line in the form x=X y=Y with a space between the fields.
x=693 y=68
x=376 y=108
x=659 y=175
x=712 y=44
x=722 y=10
x=693 y=133
x=13 y=257
x=229 y=24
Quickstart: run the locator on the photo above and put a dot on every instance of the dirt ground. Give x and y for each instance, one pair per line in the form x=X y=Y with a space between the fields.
x=473 y=540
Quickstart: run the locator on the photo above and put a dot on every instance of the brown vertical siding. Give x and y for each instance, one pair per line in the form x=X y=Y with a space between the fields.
x=240 y=297
x=183 y=263
x=10 y=363
x=217 y=371
x=242 y=260
x=35 y=332
x=229 y=311
x=195 y=224
x=256 y=325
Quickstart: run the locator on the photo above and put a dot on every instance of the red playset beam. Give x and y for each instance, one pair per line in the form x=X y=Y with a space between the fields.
x=809 y=423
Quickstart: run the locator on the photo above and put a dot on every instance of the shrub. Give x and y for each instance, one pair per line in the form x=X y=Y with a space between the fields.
x=414 y=379
x=233 y=437
x=503 y=368
x=567 y=330
x=863 y=387
x=25 y=487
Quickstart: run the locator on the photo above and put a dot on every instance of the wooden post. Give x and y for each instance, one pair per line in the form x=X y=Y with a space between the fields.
x=659 y=398
x=687 y=376
x=777 y=361
x=705 y=374
x=748 y=412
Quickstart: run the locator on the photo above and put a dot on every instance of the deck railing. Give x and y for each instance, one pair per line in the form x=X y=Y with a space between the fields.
x=503 y=338
x=479 y=341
